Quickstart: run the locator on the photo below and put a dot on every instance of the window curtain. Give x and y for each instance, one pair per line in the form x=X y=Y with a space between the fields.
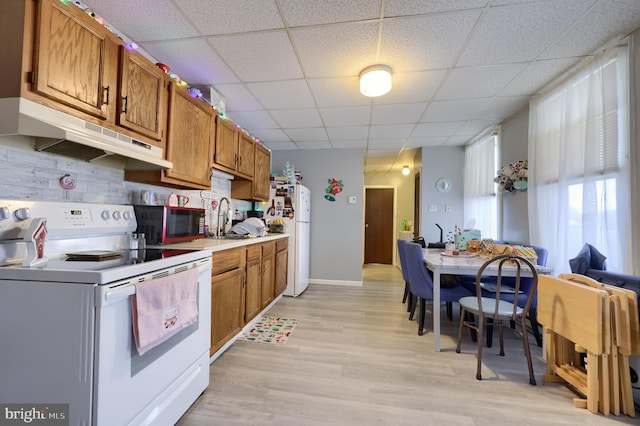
x=480 y=201
x=578 y=164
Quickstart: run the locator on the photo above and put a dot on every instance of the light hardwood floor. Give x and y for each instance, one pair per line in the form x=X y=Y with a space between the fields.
x=356 y=359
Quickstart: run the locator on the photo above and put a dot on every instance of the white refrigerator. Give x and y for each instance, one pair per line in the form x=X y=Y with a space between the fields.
x=292 y=204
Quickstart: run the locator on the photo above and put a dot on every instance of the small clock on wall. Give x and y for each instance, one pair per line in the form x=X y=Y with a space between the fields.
x=443 y=185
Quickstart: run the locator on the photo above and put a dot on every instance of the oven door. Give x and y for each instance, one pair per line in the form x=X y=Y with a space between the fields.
x=159 y=386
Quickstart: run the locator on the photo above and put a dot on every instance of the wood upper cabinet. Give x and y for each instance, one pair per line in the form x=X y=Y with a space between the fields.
x=246 y=156
x=72 y=59
x=190 y=139
x=226 y=146
x=142 y=96
x=262 y=173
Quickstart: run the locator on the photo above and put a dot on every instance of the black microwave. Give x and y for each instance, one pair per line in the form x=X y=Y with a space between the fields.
x=168 y=224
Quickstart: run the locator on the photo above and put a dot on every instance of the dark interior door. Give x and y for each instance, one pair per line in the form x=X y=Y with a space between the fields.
x=378 y=226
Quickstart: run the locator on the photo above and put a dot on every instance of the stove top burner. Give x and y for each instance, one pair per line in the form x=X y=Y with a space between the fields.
x=132 y=257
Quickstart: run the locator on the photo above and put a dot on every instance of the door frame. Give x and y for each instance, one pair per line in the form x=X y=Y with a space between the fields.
x=394 y=248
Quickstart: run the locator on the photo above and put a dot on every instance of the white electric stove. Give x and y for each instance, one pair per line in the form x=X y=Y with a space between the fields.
x=67 y=325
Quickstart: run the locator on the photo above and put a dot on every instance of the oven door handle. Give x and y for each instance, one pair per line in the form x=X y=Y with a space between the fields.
x=121 y=293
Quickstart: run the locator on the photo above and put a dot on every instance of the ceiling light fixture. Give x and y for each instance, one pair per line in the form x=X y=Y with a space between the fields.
x=375 y=80
x=406 y=170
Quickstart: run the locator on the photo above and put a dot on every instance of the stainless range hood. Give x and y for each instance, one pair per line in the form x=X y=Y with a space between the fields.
x=63 y=134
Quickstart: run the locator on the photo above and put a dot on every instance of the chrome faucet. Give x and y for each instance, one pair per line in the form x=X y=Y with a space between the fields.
x=219 y=231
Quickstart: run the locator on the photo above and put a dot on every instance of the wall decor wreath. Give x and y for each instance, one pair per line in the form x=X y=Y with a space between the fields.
x=513 y=177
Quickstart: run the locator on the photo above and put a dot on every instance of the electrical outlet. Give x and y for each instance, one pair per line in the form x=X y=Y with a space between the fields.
x=448 y=208
x=433 y=208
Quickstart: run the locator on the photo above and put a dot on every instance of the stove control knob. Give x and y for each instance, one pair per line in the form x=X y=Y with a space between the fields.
x=126 y=215
x=23 y=213
x=117 y=215
x=105 y=215
x=4 y=213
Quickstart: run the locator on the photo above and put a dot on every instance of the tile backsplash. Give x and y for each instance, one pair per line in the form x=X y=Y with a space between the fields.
x=28 y=174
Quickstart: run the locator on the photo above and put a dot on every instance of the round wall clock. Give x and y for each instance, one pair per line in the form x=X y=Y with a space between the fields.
x=443 y=185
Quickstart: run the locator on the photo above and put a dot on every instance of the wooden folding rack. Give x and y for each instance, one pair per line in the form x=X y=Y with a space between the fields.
x=580 y=316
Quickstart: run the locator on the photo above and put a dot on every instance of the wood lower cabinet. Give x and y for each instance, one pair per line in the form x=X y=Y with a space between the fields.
x=268 y=271
x=282 y=265
x=253 y=293
x=227 y=296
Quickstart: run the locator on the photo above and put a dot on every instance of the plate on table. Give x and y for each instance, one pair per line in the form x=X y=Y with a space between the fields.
x=460 y=254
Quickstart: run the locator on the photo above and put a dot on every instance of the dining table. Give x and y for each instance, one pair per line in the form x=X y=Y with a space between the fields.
x=441 y=262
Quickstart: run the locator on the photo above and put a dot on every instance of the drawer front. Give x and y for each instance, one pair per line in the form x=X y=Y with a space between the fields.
x=227 y=260
x=267 y=248
x=282 y=244
x=254 y=252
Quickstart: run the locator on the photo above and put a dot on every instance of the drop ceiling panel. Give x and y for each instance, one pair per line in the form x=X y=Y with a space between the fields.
x=500 y=107
x=261 y=56
x=397 y=114
x=520 y=32
x=298 y=13
x=134 y=20
x=307 y=134
x=418 y=86
x=281 y=146
x=531 y=79
x=453 y=110
x=237 y=97
x=272 y=135
x=387 y=143
x=606 y=20
x=253 y=120
x=337 y=92
x=346 y=133
x=474 y=127
x=313 y=144
x=346 y=116
x=193 y=60
x=226 y=17
x=390 y=131
x=282 y=94
x=478 y=82
x=297 y=118
x=425 y=42
x=361 y=143
x=378 y=155
x=426 y=141
x=419 y=7
x=336 y=50
x=436 y=129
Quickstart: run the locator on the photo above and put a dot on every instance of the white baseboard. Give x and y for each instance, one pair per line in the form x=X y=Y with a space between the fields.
x=337 y=282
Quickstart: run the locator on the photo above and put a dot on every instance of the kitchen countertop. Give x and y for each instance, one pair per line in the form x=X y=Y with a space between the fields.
x=218 y=245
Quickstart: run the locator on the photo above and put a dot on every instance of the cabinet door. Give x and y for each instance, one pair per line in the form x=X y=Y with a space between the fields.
x=246 y=154
x=71 y=59
x=227 y=313
x=281 y=271
x=253 y=293
x=226 y=146
x=190 y=137
x=268 y=289
x=261 y=174
x=142 y=95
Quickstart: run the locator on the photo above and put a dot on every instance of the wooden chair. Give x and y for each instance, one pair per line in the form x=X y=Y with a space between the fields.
x=498 y=311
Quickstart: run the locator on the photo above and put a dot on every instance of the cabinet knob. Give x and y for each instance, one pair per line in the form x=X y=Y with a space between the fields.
x=125 y=103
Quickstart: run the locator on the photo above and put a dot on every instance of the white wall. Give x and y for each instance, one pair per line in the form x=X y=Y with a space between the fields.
x=336 y=227
x=440 y=162
x=515 y=216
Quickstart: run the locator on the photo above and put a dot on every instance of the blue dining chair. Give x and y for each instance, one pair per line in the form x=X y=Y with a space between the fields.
x=496 y=309
x=421 y=283
x=405 y=273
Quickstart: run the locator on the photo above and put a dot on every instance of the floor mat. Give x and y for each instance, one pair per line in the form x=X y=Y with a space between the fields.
x=274 y=330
